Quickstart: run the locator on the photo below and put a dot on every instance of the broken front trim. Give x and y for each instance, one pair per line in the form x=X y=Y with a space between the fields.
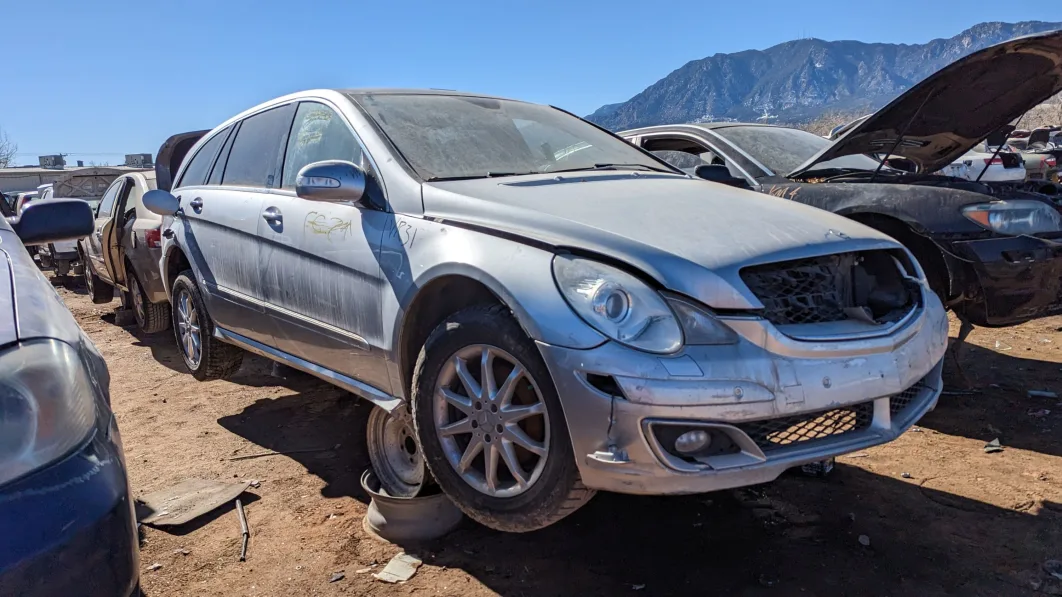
x=766 y=404
x=860 y=293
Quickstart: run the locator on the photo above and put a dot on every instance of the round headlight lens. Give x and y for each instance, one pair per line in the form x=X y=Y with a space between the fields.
x=611 y=302
x=18 y=421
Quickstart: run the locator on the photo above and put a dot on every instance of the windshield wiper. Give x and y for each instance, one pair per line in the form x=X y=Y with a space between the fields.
x=614 y=167
x=475 y=176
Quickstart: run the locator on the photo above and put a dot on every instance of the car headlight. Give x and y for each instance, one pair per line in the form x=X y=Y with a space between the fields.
x=1015 y=218
x=46 y=406
x=627 y=310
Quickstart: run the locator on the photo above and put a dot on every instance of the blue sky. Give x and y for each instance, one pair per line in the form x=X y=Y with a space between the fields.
x=98 y=79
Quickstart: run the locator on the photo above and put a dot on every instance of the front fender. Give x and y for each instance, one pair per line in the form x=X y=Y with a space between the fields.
x=521 y=276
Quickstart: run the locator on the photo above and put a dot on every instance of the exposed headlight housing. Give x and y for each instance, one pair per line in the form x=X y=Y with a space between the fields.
x=46 y=406
x=627 y=310
x=1015 y=218
x=699 y=326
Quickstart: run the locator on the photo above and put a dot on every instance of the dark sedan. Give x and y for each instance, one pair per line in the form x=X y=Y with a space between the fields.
x=66 y=517
x=991 y=251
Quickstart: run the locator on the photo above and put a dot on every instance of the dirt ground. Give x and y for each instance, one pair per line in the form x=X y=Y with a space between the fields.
x=940 y=516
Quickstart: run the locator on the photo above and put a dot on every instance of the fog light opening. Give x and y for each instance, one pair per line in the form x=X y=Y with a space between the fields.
x=694 y=441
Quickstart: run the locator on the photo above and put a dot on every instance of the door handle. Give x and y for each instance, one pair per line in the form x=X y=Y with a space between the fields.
x=272 y=215
x=197 y=204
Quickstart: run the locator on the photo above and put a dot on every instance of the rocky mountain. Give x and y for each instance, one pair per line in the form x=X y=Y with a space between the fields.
x=799 y=80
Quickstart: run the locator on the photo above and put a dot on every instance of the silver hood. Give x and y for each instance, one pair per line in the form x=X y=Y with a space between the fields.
x=952 y=110
x=690 y=235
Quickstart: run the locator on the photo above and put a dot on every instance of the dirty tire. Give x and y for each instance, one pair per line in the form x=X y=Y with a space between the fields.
x=99 y=291
x=151 y=317
x=559 y=490
x=218 y=360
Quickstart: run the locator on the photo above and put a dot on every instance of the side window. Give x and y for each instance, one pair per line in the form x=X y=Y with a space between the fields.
x=109 y=198
x=198 y=169
x=318 y=134
x=679 y=159
x=219 y=165
x=253 y=158
x=685 y=154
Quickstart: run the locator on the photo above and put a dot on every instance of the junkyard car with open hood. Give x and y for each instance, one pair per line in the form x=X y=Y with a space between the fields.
x=989 y=250
x=544 y=310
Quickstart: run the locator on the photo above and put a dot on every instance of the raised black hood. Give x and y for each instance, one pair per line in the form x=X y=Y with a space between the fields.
x=952 y=110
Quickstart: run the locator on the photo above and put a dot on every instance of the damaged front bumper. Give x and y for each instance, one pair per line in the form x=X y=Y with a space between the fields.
x=1009 y=280
x=769 y=403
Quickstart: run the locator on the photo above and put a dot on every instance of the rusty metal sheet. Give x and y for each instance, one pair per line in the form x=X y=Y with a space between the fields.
x=187 y=501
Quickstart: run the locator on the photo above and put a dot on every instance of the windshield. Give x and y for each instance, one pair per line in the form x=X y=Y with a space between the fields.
x=451 y=137
x=784 y=150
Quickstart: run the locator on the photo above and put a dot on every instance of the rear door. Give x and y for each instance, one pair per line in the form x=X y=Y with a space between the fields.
x=221 y=206
x=96 y=239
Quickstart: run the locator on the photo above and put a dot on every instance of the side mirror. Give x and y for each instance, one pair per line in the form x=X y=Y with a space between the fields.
x=161 y=202
x=43 y=222
x=334 y=181
x=712 y=172
x=721 y=174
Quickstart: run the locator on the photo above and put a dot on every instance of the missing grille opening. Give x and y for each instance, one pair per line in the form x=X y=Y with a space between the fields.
x=604 y=383
x=899 y=403
x=868 y=286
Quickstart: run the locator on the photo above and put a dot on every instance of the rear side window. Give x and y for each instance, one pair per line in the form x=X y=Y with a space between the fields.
x=107 y=203
x=198 y=169
x=253 y=158
x=318 y=134
x=219 y=165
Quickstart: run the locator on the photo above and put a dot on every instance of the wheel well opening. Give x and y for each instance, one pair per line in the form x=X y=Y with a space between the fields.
x=439 y=299
x=924 y=250
x=176 y=263
x=1050 y=189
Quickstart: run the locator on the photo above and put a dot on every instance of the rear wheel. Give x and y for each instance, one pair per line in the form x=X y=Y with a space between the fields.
x=205 y=356
x=490 y=424
x=150 y=317
x=99 y=291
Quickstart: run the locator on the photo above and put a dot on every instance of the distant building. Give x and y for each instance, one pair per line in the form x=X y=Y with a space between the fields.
x=138 y=160
x=52 y=162
x=15 y=180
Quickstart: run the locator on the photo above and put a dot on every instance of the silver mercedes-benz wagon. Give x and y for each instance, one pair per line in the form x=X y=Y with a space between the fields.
x=539 y=309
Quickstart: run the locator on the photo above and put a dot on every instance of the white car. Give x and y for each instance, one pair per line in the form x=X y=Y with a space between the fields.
x=1006 y=166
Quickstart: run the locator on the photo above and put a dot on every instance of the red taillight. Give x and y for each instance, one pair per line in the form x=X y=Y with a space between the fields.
x=995 y=160
x=153 y=238
x=1051 y=162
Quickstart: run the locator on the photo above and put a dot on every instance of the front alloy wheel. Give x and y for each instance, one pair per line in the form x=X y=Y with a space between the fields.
x=495 y=436
x=490 y=425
